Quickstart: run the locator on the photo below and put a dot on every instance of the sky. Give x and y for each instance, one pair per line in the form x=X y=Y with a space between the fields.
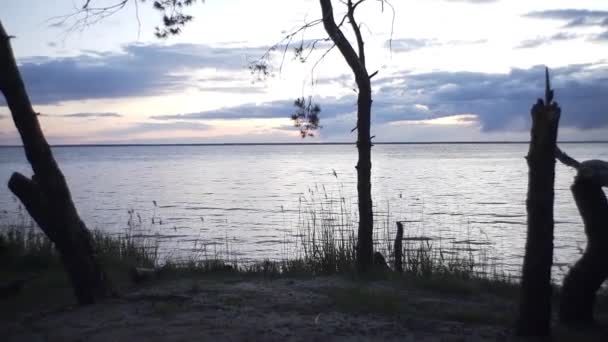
x=448 y=70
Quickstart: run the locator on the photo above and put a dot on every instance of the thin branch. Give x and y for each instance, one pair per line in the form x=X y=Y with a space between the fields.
x=356 y=29
x=566 y=159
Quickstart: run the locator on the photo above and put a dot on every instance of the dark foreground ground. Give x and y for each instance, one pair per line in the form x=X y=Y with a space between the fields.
x=241 y=308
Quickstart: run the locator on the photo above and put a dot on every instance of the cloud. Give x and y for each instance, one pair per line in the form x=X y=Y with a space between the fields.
x=492 y=102
x=602 y=36
x=502 y=101
x=573 y=17
x=87 y=115
x=269 y=110
x=410 y=44
x=139 y=70
x=413 y=44
x=153 y=127
x=536 y=42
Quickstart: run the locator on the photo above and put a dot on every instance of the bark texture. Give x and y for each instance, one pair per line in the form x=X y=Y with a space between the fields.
x=365 y=245
x=535 y=300
x=585 y=278
x=46 y=195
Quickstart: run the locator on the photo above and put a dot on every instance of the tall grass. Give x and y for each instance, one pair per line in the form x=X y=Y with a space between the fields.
x=325 y=243
x=24 y=247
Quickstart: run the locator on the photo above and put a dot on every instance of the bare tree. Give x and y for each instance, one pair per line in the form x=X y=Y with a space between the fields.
x=535 y=301
x=46 y=195
x=354 y=55
x=356 y=62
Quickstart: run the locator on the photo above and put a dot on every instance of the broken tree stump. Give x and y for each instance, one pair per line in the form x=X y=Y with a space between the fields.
x=535 y=299
x=587 y=275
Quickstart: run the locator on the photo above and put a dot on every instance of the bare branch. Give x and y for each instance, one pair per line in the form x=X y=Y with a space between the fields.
x=88 y=14
x=357 y=29
x=566 y=159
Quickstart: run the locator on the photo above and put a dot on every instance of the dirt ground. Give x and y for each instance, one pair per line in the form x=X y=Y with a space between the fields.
x=259 y=309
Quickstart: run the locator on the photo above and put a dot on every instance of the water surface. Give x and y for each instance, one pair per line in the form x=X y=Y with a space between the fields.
x=251 y=198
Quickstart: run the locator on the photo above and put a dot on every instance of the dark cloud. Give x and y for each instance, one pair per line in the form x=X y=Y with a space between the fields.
x=501 y=102
x=573 y=17
x=269 y=110
x=139 y=70
x=536 y=42
x=88 y=115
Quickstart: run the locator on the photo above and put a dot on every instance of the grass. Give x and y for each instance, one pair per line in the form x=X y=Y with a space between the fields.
x=422 y=302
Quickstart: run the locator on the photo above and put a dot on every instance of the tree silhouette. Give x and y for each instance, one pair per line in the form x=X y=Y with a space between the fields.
x=535 y=302
x=357 y=63
x=355 y=59
x=46 y=195
x=587 y=275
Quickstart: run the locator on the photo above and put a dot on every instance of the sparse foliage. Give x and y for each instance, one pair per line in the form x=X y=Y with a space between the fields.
x=91 y=12
x=173 y=16
x=306 y=117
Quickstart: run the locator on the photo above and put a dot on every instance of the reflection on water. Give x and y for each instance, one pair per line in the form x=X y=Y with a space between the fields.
x=252 y=197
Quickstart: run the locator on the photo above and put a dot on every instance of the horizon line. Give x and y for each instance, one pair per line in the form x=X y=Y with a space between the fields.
x=312 y=143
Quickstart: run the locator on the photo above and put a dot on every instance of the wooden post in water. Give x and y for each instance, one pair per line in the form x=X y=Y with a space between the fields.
x=398 y=248
x=535 y=300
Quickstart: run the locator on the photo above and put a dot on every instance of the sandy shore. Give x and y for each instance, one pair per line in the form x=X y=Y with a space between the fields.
x=285 y=309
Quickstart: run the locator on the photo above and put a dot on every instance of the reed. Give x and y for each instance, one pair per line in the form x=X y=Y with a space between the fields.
x=323 y=243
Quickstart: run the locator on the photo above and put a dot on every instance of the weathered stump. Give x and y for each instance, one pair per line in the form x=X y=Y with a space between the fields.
x=535 y=300
x=587 y=275
x=398 y=248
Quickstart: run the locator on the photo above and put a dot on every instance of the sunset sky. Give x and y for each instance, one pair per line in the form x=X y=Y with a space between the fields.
x=454 y=70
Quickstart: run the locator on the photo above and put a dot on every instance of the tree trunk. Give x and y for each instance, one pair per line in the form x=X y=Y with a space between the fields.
x=46 y=196
x=535 y=302
x=587 y=275
x=365 y=245
x=398 y=248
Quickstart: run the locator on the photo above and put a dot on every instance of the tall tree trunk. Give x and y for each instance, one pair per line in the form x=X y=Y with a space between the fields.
x=585 y=278
x=365 y=245
x=46 y=196
x=535 y=302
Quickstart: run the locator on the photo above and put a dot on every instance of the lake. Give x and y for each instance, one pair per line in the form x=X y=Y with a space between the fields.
x=251 y=201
